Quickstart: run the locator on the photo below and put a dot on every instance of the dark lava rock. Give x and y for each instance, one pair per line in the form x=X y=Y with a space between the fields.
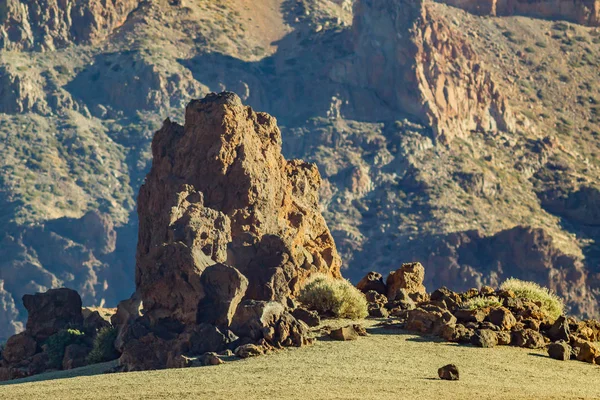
x=448 y=372
x=372 y=281
x=559 y=330
x=310 y=318
x=559 y=351
x=484 y=338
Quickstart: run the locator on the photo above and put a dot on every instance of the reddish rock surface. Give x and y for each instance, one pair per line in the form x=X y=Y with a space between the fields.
x=409 y=277
x=222 y=217
x=219 y=187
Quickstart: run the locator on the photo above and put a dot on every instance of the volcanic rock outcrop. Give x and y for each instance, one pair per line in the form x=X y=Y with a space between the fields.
x=51 y=24
x=426 y=69
x=585 y=12
x=223 y=218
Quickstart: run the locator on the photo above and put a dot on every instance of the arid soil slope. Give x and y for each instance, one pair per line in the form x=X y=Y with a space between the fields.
x=385 y=365
x=467 y=142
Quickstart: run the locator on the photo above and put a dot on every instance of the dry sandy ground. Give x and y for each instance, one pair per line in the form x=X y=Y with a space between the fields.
x=385 y=365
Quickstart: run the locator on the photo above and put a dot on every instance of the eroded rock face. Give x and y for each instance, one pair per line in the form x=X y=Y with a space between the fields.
x=220 y=188
x=408 y=277
x=223 y=217
x=51 y=24
x=527 y=252
x=426 y=69
x=586 y=12
x=52 y=311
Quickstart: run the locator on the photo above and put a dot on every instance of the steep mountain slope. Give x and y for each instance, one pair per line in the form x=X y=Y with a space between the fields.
x=469 y=143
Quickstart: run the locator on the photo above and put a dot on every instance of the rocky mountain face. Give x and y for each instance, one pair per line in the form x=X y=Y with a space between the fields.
x=468 y=143
x=586 y=12
x=52 y=24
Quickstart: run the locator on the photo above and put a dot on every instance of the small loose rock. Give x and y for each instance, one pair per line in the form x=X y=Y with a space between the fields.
x=449 y=372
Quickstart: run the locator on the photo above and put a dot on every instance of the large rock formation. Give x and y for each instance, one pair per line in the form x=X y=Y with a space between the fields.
x=50 y=24
x=220 y=192
x=586 y=12
x=220 y=187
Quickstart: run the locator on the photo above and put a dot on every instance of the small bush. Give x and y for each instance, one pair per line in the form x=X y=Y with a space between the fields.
x=104 y=346
x=478 y=302
x=57 y=343
x=336 y=296
x=551 y=304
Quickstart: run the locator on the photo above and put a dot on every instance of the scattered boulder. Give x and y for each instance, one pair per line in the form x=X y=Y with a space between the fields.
x=449 y=372
x=258 y=320
x=504 y=338
x=484 y=338
x=375 y=297
x=528 y=338
x=310 y=318
x=559 y=330
x=502 y=317
x=19 y=347
x=52 y=311
x=350 y=332
x=224 y=288
x=378 y=311
x=451 y=299
x=559 y=350
x=410 y=277
x=372 y=281
x=585 y=351
x=75 y=356
x=429 y=319
x=211 y=359
x=248 y=350
x=477 y=315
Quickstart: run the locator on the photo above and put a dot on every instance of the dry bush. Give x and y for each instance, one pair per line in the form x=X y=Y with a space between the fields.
x=478 y=302
x=333 y=296
x=551 y=304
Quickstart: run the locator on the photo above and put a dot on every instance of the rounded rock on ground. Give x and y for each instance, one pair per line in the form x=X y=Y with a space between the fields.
x=372 y=281
x=484 y=338
x=559 y=351
x=410 y=277
x=503 y=318
x=310 y=318
x=449 y=372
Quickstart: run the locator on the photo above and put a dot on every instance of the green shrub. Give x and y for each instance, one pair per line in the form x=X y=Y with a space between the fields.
x=478 y=302
x=551 y=304
x=336 y=296
x=57 y=343
x=104 y=346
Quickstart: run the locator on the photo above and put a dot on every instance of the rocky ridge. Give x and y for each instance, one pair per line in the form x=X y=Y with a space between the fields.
x=585 y=12
x=51 y=24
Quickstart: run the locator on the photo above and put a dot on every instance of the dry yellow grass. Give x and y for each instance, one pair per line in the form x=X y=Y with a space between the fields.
x=387 y=365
